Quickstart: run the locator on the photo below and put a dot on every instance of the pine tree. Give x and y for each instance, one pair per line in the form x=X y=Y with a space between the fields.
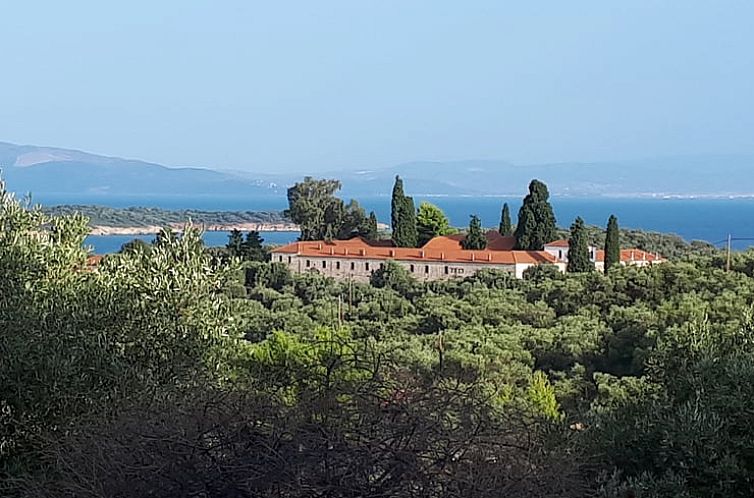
x=612 y=243
x=505 y=221
x=536 y=220
x=235 y=243
x=431 y=222
x=475 y=238
x=252 y=247
x=403 y=217
x=578 y=249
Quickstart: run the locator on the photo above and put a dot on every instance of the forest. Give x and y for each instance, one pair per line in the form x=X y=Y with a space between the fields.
x=173 y=371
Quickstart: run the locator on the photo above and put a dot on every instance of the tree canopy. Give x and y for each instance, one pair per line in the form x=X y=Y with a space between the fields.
x=475 y=238
x=536 y=220
x=403 y=217
x=431 y=222
x=320 y=215
x=506 y=228
x=152 y=375
x=612 y=243
x=578 y=249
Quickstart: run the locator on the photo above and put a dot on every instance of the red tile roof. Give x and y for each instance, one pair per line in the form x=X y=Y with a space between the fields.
x=629 y=255
x=447 y=249
x=558 y=243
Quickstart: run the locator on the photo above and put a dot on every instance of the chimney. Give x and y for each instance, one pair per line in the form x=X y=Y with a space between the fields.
x=345 y=251
x=392 y=253
x=489 y=256
x=332 y=251
x=362 y=252
x=442 y=255
x=319 y=246
x=472 y=257
x=422 y=253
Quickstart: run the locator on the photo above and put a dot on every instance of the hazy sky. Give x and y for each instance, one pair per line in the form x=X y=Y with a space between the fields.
x=318 y=85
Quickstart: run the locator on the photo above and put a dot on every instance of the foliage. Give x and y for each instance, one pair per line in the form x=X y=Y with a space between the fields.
x=578 y=249
x=157 y=217
x=536 y=221
x=403 y=217
x=431 y=222
x=250 y=249
x=320 y=215
x=165 y=372
x=475 y=239
x=506 y=228
x=612 y=243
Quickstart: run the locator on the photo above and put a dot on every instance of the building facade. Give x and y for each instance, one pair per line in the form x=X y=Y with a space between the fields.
x=440 y=258
x=628 y=257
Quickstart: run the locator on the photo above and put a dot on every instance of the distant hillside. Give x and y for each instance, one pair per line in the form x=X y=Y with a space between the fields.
x=142 y=216
x=698 y=175
x=52 y=170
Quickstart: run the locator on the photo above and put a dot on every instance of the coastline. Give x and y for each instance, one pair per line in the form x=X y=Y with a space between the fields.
x=153 y=229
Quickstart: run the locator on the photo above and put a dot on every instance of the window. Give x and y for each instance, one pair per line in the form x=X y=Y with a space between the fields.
x=382 y=266
x=289 y=260
x=337 y=265
x=308 y=263
x=353 y=266
x=412 y=269
x=280 y=258
x=447 y=270
x=426 y=269
x=324 y=264
x=366 y=266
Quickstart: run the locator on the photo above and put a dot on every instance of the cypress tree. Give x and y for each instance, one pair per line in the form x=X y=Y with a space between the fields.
x=612 y=243
x=505 y=221
x=395 y=204
x=373 y=230
x=578 y=249
x=536 y=220
x=475 y=238
x=403 y=217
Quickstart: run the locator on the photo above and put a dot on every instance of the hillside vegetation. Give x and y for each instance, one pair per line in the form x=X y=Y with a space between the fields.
x=143 y=216
x=169 y=372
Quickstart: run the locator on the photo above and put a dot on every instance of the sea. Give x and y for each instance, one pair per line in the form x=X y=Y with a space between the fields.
x=711 y=220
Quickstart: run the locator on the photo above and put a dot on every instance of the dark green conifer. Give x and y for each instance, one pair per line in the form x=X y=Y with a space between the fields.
x=612 y=243
x=475 y=238
x=536 y=220
x=578 y=249
x=505 y=221
x=373 y=230
x=403 y=217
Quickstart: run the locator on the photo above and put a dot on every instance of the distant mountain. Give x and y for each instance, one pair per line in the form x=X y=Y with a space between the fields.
x=52 y=170
x=42 y=170
x=695 y=175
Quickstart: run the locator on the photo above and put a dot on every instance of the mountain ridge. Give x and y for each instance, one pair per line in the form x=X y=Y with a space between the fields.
x=29 y=168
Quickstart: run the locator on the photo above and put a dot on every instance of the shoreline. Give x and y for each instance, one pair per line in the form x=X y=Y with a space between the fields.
x=154 y=229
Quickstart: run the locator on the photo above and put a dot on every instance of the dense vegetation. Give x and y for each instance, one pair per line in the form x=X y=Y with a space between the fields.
x=143 y=216
x=174 y=373
x=321 y=215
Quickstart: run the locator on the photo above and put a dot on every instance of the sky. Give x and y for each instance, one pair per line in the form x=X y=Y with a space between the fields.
x=305 y=86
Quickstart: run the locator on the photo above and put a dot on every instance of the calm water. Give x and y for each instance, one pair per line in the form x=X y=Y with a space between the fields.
x=703 y=219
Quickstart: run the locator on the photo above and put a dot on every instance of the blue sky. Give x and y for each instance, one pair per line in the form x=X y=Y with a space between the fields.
x=312 y=86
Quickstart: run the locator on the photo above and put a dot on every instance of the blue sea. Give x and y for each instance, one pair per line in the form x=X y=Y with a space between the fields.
x=693 y=219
